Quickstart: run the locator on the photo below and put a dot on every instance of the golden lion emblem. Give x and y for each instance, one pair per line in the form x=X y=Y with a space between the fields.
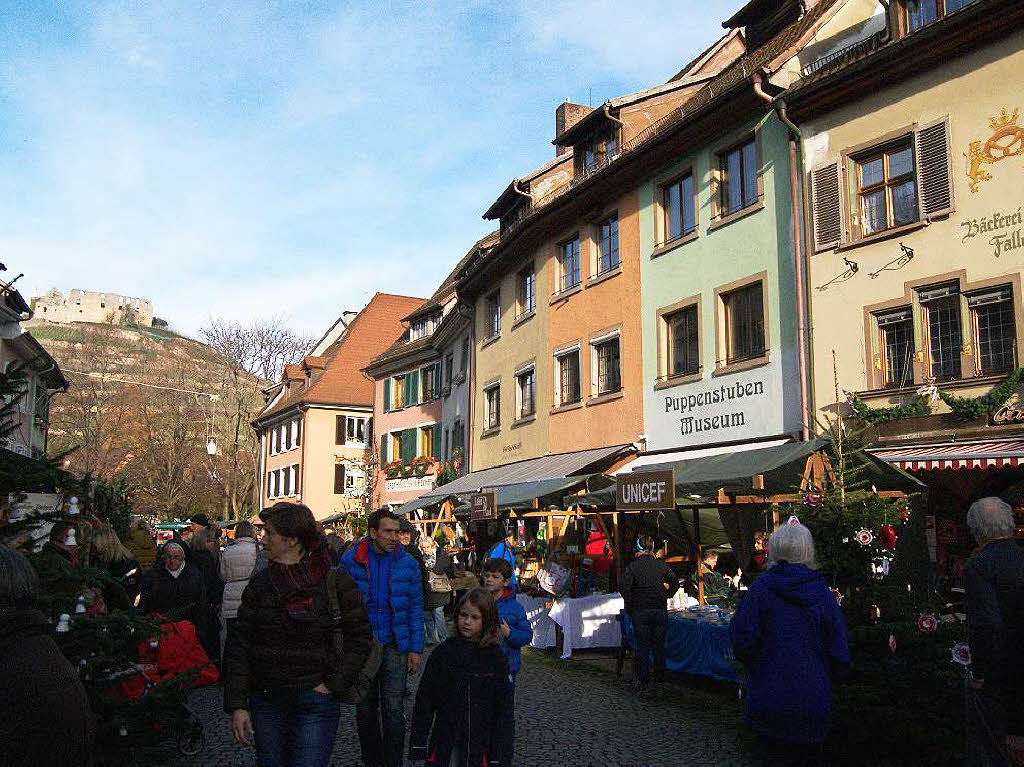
x=1007 y=140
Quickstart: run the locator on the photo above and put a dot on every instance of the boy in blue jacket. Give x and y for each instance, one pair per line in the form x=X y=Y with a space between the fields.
x=514 y=628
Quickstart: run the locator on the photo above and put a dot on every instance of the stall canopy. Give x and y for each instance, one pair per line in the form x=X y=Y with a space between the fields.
x=962 y=455
x=518 y=484
x=698 y=480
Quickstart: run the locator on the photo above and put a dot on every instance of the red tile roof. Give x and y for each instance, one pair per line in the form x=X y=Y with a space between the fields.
x=372 y=331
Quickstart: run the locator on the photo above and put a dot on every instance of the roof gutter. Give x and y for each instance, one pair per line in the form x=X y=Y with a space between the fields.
x=799 y=235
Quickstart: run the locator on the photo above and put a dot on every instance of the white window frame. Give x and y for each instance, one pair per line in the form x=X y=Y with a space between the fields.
x=354 y=419
x=529 y=368
x=594 y=343
x=487 y=406
x=559 y=356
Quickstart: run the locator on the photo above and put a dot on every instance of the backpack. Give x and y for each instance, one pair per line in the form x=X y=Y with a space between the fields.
x=368 y=673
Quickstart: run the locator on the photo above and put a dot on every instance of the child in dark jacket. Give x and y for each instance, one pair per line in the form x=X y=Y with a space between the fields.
x=462 y=700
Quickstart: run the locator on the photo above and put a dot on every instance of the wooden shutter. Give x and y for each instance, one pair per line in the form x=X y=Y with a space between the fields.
x=412 y=387
x=827 y=206
x=383 y=450
x=368 y=436
x=339 y=430
x=339 y=479
x=435 y=443
x=934 y=169
x=297 y=478
x=298 y=433
x=387 y=395
x=408 y=445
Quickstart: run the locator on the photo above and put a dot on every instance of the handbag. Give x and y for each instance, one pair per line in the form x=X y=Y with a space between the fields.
x=441 y=584
x=367 y=675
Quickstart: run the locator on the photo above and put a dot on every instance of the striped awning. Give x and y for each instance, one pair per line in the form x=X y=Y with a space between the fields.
x=961 y=455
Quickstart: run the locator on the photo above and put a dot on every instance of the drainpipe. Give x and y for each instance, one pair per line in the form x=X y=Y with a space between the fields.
x=622 y=126
x=799 y=249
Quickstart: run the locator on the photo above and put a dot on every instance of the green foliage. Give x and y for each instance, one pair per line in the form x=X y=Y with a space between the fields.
x=111 y=501
x=970 y=408
x=915 y=406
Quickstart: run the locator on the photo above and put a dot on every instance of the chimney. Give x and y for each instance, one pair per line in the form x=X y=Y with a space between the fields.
x=567 y=115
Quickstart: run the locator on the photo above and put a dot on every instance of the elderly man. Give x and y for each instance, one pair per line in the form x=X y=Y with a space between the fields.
x=174 y=588
x=994 y=579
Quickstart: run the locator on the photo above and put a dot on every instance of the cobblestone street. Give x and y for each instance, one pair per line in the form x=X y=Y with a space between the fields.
x=567 y=713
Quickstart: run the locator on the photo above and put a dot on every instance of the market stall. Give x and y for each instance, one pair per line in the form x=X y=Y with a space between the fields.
x=696 y=642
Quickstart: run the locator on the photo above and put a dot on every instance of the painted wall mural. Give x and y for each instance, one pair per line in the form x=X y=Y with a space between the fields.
x=1007 y=140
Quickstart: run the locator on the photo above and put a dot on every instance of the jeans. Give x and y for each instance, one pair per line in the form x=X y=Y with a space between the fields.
x=434 y=625
x=384 y=704
x=649 y=627
x=294 y=729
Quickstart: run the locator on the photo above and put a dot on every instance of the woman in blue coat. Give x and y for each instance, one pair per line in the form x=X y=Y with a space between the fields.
x=789 y=633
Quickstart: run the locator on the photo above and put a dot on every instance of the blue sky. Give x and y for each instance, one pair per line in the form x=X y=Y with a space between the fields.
x=245 y=159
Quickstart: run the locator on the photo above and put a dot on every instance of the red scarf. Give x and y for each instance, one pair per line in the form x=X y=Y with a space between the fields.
x=296 y=584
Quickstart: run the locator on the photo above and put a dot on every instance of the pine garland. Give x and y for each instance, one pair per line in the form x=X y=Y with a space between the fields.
x=916 y=406
x=970 y=408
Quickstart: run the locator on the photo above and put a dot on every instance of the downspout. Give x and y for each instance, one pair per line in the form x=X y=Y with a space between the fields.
x=622 y=126
x=799 y=249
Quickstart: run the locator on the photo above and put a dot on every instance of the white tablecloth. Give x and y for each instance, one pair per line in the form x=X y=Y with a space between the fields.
x=542 y=625
x=588 y=622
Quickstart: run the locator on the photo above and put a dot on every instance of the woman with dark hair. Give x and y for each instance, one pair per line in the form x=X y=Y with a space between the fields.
x=44 y=712
x=463 y=710
x=282 y=672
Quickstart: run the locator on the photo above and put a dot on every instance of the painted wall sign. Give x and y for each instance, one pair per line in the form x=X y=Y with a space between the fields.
x=483 y=505
x=1007 y=140
x=645 y=491
x=405 y=484
x=1001 y=230
x=695 y=407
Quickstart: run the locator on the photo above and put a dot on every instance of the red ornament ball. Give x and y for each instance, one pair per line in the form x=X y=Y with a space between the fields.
x=887 y=537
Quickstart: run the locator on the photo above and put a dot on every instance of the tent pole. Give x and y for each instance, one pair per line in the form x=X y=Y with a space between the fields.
x=699 y=553
x=617 y=552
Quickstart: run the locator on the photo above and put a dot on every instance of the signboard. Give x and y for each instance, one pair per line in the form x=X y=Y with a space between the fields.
x=645 y=491
x=405 y=484
x=483 y=505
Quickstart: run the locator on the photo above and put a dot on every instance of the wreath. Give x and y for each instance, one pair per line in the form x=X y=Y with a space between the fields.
x=917 y=406
x=969 y=408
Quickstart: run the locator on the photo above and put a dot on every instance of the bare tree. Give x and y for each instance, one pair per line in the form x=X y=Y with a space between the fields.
x=262 y=348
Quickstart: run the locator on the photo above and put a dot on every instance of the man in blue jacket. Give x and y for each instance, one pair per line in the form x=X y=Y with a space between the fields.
x=392 y=588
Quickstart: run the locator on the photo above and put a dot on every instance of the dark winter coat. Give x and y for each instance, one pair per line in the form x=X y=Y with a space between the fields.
x=206 y=562
x=267 y=651
x=44 y=713
x=647 y=584
x=790 y=634
x=57 y=577
x=994 y=581
x=463 y=698
x=183 y=597
x=520 y=634
x=392 y=592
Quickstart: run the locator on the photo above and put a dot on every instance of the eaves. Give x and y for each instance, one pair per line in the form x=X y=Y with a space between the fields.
x=966 y=30
x=419 y=351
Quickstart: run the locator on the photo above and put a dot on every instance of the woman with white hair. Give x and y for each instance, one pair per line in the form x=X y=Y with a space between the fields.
x=994 y=581
x=789 y=633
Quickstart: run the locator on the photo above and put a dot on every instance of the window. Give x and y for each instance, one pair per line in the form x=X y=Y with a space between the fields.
x=449 y=363
x=492 y=404
x=683 y=342
x=458 y=437
x=527 y=291
x=287 y=431
x=679 y=205
x=995 y=335
x=922 y=12
x=339 y=479
x=464 y=360
x=297 y=428
x=942 y=330
x=744 y=323
x=606 y=359
x=896 y=342
x=568 y=367
x=355 y=430
x=270 y=484
x=426 y=441
x=395 y=447
x=738 y=169
x=608 y=241
x=494 y=315
x=398 y=401
x=887 y=188
x=286 y=481
x=430 y=389
x=569 y=264
x=445 y=454
x=599 y=150
x=526 y=393
x=295 y=479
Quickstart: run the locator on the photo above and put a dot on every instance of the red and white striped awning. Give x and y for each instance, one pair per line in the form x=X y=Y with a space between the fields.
x=961 y=455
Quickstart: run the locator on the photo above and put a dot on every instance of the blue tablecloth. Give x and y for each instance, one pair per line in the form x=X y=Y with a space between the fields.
x=693 y=646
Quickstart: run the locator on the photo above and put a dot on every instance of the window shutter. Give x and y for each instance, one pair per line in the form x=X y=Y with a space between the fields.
x=339 y=430
x=387 y=395
x=934 y=169
x=383 y=451
x=412 y=387
x=339 y=478
x=298 y=432
x=435 y=443
x=298 y=477
x=369 y=431
x=408 y=445
x=437 y=380
x=826 y=206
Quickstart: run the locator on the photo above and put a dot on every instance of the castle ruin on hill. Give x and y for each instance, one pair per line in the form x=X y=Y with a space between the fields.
x=93 y=306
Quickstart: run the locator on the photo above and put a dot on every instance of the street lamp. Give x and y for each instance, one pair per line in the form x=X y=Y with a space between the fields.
x=211 y=447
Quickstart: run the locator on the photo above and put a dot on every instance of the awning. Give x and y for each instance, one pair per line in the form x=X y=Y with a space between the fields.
x=534 y=478
x=519 y=495
x=652 y=459
x=698 y=480
x=964 y=455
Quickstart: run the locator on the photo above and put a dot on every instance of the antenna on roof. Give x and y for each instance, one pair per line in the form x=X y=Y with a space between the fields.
x=590 y=103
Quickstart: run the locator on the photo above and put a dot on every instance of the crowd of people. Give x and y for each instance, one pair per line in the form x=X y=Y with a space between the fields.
x=301 y=624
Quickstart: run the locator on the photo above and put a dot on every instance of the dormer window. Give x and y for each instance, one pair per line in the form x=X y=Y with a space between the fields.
x=597 y=150
x=423 y=327
x=920 y=13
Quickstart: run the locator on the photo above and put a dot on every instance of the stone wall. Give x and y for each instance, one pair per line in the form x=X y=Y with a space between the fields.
x=92 y=306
